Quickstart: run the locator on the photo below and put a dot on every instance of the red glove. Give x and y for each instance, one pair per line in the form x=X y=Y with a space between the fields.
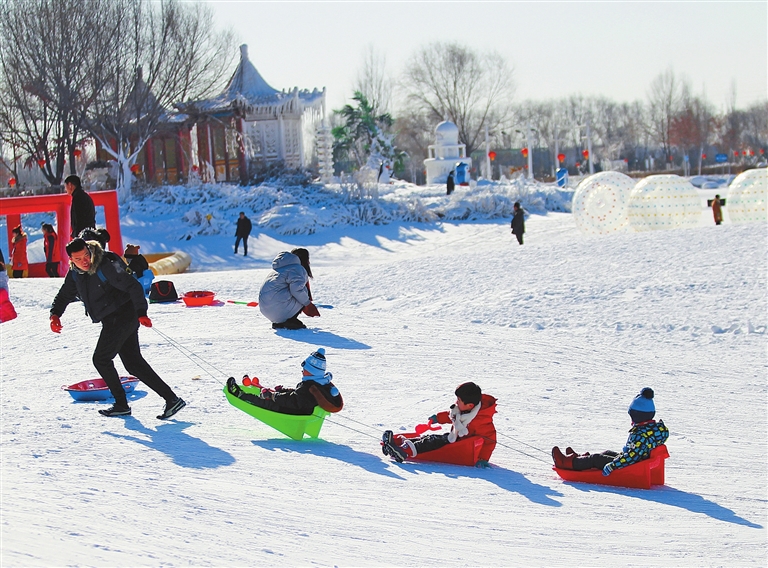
x=311 y=310
x=56 y=324
x=145 y=321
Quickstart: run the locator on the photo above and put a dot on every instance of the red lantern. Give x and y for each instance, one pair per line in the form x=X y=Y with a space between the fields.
x=135 y=168
x=524 y=152
x=561 y=157
x=751 y=152
x=194 y=167
x=703 y=156
x=76 y=152
x=736 y=153
x=578 y=164
x=12 y=182
x=762 y=151
x=41 y=162
x=585 y=153
x=492 y=155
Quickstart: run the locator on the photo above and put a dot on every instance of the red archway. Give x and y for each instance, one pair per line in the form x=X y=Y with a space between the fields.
x=13 y=207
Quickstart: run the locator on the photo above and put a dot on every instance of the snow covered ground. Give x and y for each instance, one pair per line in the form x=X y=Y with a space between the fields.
x=564 y=331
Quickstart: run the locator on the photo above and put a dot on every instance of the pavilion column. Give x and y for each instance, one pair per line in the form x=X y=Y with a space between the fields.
x=242 y=166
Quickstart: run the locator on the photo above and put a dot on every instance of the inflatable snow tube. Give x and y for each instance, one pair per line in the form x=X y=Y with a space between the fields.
x=97 y=389
x=293 y=426
x=640 y=475
x=168 y=262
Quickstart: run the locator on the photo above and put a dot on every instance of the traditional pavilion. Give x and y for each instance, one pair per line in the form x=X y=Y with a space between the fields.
x=249 y=125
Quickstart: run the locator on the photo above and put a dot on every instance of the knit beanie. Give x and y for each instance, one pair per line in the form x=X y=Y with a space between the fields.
x=132 y=250
x=315 y=364
x=642 y=408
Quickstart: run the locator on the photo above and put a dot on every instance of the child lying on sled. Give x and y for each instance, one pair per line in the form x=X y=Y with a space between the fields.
x=472 y=415
x=644 y=436
x=315 y=389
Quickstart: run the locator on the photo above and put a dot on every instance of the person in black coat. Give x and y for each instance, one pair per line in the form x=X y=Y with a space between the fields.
x=244 y=227
x=116 y=299
x=315 y=389
x=450 y=185
x=518 y=222
x=82 y=212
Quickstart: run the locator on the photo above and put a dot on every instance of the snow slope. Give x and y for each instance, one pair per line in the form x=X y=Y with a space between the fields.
x=564 y=331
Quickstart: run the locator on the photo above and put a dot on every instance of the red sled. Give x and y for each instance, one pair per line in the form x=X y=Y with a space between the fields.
x=465 y=451
x=640 y=475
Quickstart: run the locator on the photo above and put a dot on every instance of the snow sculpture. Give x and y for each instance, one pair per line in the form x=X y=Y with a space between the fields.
x=600 y=203
x=664 y=202
x=445 y=153
x=747 y=196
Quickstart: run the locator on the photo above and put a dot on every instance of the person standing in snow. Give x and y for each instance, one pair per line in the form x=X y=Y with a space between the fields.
x=518 y=222
x=717 y=210
x=51 y=248
x=82 y=212
x=115 y=298
x=450 y=184
x=472 y=415
x=644 y=436
x=315 y=389
x=7 y=312
x=285 y=292
x=242 y=231
x=19 y=252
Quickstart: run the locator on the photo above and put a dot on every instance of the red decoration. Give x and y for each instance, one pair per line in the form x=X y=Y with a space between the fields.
x=578 y=164
x=736 y=153
x=12 y=182
x=135 y=168
x=561 y=157
x=77 y=152
x=194 y=167
x=762 y=151
x=585 y=153
x=524 y=152
x=41 y=162
x=492 y=155
x=703 y=156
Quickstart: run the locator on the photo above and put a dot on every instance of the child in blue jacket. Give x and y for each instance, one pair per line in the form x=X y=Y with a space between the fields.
x=644 y=436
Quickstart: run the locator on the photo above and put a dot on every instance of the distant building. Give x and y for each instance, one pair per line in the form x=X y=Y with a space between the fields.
x=445 y=153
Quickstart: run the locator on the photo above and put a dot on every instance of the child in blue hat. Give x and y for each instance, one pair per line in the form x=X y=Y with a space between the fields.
x=315 y=389
x=644 y=436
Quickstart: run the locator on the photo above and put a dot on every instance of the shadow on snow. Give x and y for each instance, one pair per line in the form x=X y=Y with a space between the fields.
x=319 y=337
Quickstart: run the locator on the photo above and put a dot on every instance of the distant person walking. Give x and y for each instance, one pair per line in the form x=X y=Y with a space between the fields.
x=243 y=230
x=82 y=212
x=717 y=210
x=518 y=222
x=116 y=299
x=19 y=252
x=450 y=184
x=51 y=248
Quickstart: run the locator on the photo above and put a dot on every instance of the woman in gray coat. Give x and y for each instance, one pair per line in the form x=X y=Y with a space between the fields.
x=285 y=292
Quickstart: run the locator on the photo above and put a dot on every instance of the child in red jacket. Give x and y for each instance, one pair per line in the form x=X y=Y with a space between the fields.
x=472 y=415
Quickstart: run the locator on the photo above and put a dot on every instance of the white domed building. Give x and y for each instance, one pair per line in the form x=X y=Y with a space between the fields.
x=445 y=153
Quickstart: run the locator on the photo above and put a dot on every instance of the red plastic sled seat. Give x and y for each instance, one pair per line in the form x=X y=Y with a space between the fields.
x=639 y=475
x=96 y=389
x=465 y=451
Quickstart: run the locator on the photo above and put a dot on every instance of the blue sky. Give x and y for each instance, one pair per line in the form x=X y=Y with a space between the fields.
x=557 y=49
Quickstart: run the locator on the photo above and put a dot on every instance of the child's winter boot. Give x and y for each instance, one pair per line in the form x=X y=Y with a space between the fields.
x=562 y=461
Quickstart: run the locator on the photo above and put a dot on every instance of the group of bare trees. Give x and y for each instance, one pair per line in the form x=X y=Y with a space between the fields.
x=103 y=69
x=475 y=91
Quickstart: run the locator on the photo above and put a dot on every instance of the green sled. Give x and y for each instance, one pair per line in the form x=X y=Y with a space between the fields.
x=295 y=427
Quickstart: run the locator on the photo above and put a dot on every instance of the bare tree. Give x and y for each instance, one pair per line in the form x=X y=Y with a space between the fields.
x=162 y=53
x=48 y=49
x=374 y=82
x=448 y=81
x=663 y=104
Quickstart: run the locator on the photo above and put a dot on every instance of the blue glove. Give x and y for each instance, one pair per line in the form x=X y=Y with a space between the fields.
x=433 y=419
x=482 y=464
x=607 y=469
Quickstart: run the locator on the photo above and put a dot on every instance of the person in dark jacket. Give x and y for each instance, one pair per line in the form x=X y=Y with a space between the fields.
x=51 y=248
x=518 y=222
x=450 y=184
x=315 y=389
x=644 y=436
x=115 y=298
x=82 y=212
x=717 y=210
x=136 y=261
x=242 y=231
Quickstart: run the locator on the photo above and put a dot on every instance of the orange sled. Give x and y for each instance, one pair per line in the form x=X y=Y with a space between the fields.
x=640 y=475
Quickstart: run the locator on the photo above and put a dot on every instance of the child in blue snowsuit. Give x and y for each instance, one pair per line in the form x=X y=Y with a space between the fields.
x=644 y=436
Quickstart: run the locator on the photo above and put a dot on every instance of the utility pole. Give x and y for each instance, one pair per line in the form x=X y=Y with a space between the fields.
x=530 y=154
x=488 y=171
x=589 y=149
